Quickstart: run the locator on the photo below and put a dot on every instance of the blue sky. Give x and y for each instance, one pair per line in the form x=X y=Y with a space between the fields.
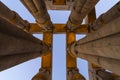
x=27 y=70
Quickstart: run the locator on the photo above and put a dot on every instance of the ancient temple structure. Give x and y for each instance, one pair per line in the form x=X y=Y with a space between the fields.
x=100 y=47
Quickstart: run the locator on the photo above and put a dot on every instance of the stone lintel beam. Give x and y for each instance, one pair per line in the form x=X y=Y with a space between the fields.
x=71 y=62
x=45 y=72
x=58 y=29
x=80 y=9
x=47 y=59
x=38 y=9
x=13 y=17
x=107 y=17
x=59 y=2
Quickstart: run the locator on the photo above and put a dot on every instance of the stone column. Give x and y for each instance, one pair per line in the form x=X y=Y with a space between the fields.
x=79 y=11
x=104 y=42
x=16 y=43
x=101 y=47
x=45 y=71
x=13 y=17
x=98 y=73
x=107 y=17
x=39 y=11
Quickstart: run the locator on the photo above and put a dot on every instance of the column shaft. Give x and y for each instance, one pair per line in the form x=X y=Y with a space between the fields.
x=101 y=47
x=39 y=11
x=80 y=9
x=107 y=17
x=13 y=60
x=16 y=44
x=104 y=42
x=13 y=17
x=106 y=63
